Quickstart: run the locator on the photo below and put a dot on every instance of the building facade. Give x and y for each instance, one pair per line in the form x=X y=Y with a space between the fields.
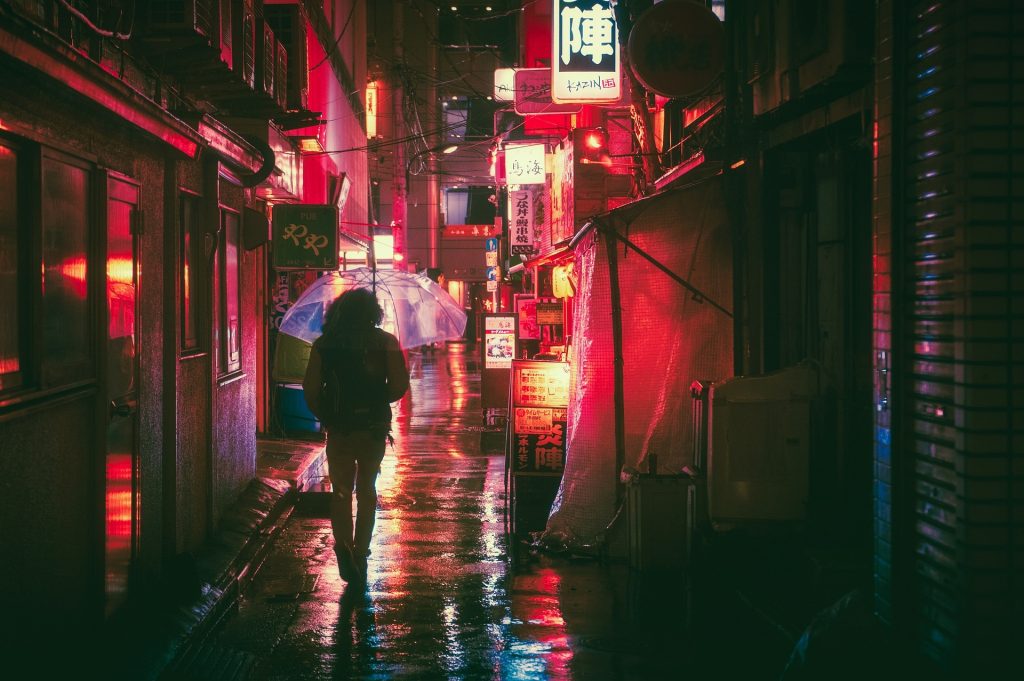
x=142 y=149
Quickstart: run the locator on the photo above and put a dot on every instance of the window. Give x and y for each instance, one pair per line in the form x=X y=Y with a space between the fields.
x=191 y=245
x=469 y=206
x=12 y=311
x=469 y=118
x=46 y=320
x=65 y=301
x=228 y=322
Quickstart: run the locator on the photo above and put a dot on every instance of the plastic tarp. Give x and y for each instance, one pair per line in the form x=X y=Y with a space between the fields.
x=670 y=338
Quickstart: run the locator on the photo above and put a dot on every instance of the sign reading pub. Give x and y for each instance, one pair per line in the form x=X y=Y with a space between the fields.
x=585 y=62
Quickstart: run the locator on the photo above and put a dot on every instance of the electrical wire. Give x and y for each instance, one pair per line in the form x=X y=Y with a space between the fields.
x=334 y=47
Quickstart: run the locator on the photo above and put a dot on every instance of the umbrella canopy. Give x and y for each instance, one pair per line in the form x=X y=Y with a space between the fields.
x=416 y=310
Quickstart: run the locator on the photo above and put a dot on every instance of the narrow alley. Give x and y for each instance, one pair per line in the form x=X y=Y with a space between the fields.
x=443 y=599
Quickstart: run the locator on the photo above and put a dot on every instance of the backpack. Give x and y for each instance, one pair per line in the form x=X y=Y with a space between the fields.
x=355 y=386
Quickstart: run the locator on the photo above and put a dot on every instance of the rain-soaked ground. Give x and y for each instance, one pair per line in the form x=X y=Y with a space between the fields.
x=443 y=600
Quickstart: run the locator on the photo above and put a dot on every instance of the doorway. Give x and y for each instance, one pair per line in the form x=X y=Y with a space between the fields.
x=121 y=465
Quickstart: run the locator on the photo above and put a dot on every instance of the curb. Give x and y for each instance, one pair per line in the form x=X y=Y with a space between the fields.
x=162 y=631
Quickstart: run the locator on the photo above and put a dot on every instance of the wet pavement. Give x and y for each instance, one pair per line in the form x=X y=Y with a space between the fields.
x=443 y=599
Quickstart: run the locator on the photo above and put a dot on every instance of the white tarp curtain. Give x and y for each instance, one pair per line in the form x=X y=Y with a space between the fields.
x=669 y=340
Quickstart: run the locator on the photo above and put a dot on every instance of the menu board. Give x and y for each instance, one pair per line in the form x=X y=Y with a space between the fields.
x=499 y=341
x=540 y=397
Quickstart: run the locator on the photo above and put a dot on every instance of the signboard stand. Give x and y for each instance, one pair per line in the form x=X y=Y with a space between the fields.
x=538 y=403
x=499 y=347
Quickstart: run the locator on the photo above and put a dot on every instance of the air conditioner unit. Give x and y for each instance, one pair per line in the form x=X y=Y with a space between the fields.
x=266 y=62
x=281 y=76
x=199 y=17
x=760 y=438
x=243 y=30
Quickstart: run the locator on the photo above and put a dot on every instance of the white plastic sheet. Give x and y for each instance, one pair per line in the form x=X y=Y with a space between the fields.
x=669 y=338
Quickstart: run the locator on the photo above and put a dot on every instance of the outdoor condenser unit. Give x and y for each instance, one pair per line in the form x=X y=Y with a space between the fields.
x=759 y=438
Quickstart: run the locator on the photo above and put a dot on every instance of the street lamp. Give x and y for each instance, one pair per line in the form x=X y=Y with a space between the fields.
x=442 y=148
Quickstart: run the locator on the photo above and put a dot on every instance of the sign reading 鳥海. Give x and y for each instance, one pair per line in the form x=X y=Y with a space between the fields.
x=585 y=64
x=524 y=163
x=305 y=237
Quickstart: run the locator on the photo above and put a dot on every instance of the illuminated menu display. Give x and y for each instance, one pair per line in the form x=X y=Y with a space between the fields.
x=540 y=397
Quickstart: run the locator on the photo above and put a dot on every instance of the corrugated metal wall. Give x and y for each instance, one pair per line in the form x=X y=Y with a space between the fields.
x=961 y=357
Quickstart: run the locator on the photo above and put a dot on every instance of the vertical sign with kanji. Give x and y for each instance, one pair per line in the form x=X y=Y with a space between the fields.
x=520 y=219
x=585 y=62
x=540 y=399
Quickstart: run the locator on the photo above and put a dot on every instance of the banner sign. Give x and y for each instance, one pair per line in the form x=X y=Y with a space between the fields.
x=540 y=397
x=585 y=64
x=305 y=237
x=533 y=94
x=524 y=163
x=470 y=231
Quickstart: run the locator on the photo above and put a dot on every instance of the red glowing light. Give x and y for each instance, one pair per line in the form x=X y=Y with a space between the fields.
x=593 y=140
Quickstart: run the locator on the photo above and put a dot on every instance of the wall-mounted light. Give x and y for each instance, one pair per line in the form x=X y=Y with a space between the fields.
x=738 y=164
x=309 y=144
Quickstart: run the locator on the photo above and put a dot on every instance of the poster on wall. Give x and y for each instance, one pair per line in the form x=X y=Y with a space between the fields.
x=499 y=341
x=526 y=308
x=562 y=196
x=540 y=397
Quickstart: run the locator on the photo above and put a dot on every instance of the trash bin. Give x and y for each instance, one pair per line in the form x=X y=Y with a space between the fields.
x=660 y=526
x=295 y=416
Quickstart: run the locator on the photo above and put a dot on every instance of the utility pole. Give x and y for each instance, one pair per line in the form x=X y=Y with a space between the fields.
x=400 y=189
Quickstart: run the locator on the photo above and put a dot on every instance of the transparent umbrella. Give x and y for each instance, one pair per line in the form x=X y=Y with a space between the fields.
x=416 y=310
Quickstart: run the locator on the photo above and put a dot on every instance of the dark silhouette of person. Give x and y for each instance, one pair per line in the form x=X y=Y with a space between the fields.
x=355 y=371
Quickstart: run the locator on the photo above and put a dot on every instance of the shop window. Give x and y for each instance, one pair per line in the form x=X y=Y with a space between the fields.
x=46 y=321
x=191 y=269
x=469 y=118
x=228 y=304
x=12 y=312
x=65 y=300
x=469 y=206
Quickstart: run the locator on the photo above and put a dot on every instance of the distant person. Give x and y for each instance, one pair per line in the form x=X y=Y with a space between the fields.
x=355 y=371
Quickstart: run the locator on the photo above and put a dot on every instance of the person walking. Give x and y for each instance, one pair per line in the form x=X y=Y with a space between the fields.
x=355 y=371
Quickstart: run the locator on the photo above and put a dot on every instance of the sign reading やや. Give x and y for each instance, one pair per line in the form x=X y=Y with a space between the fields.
x=305 y=237
x=585 y=65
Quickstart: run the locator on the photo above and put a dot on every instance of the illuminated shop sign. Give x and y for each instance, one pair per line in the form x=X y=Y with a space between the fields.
x=540 y=397
x=585 y=62
x=504 y=85
x=499 y=340
x=305 y=236
x=521 y=220
x=533 y=94
x=524 y=163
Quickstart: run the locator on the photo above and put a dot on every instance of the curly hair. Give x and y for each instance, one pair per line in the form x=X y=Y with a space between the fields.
x=355 y=310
